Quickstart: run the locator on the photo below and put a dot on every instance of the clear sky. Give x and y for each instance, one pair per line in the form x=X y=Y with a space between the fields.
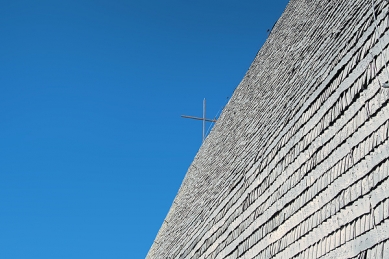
x=92 y=145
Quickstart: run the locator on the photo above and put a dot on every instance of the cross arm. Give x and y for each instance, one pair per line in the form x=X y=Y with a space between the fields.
x=197 y=118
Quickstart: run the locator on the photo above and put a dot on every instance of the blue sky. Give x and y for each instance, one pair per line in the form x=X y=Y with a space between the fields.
x=92 y=145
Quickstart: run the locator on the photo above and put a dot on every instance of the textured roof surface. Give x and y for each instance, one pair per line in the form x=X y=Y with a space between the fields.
x=297 y=164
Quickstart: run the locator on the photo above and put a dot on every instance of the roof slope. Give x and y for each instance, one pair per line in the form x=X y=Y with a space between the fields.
x=299 y=155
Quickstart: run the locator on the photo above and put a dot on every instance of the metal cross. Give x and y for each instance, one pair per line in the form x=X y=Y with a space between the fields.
x=201 y=119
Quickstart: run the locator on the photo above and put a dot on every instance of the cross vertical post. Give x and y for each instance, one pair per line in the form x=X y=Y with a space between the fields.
x=204 y=119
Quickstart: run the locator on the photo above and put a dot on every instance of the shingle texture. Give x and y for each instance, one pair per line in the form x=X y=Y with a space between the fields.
x=297 y=165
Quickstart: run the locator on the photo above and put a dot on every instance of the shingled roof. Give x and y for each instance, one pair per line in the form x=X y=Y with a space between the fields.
x=297 y=164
